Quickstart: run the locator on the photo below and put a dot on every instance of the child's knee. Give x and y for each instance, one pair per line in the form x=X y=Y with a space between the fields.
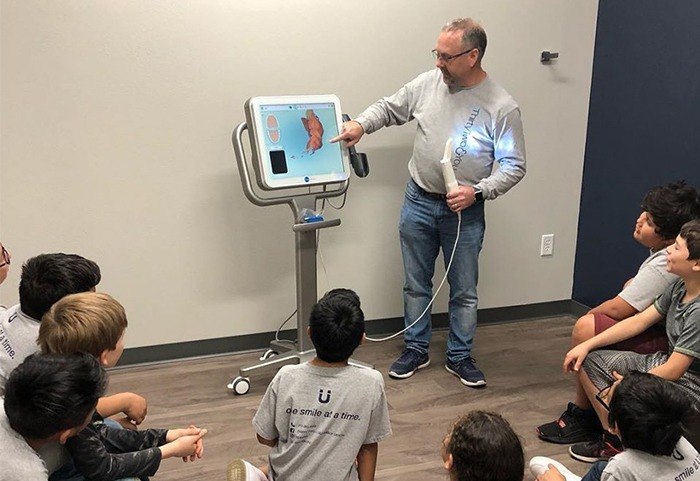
x=584 y=329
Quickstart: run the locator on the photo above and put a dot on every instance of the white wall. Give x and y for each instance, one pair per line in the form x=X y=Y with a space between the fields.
x=115 y=144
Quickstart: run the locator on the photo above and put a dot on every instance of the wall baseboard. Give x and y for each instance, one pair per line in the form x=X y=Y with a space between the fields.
x=259 y=341
x=578 y=309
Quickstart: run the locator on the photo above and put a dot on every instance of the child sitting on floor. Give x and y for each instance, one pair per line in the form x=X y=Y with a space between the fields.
x=323 y=419
x=664 y=211
x=95 y=323
x=48 y=399
x=648 y=414
x=482 y=447
x=679 y=308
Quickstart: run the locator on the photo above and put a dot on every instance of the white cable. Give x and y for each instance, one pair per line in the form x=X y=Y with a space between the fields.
x=381 y=339
x=447 y=270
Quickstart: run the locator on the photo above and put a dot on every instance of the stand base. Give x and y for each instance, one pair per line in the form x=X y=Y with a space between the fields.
x=279 y=353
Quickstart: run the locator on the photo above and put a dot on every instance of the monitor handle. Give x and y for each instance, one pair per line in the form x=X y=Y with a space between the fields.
x=358 y=160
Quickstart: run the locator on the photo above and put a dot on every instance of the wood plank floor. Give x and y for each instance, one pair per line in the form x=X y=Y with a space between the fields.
x=522 y=362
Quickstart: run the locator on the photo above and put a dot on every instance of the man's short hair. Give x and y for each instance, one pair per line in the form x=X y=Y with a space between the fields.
x=649 y=412
x=337 y=325
x=473 y=34
x=89 y=322
x=690 y=232
x=671 y=206
x=46 y=278
x=484 y=446
x=47 y=394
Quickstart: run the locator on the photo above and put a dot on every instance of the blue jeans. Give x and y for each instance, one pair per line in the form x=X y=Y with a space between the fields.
x=426 y=226
x=596 y=471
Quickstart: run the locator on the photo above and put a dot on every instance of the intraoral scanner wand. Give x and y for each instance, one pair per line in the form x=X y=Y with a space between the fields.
x=447 y=171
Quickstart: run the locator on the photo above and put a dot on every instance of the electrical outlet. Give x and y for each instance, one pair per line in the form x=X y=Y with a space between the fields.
x=547 y=245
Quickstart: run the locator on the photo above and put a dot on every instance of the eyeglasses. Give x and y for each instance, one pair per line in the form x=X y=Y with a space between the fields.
x=446 y=58
x=6 y=257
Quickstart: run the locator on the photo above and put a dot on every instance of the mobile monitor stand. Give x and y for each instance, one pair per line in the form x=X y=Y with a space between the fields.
x=287 y=136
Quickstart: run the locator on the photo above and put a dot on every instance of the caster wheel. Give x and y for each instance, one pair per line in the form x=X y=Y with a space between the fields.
x=268 y=354
x=240 y=385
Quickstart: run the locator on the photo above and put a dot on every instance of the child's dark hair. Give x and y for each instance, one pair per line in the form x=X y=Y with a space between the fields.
x=690 y=232
x=337 y=324
x=49 y=393
x=649 y=412
x=671 y=206
x=349 y=294
x=47 y=278
x=485 y=448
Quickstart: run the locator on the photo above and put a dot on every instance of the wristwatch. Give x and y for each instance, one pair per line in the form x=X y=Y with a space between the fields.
x=478 y=196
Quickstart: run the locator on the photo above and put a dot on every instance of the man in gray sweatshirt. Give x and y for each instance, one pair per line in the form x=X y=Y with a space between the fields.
x=456 y=100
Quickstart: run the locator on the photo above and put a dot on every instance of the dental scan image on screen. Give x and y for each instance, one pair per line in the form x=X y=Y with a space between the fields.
x=293 y=143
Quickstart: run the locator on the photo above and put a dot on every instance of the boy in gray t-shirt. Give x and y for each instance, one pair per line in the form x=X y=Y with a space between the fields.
x=679 y=309
x=324 y=418
x=45 y=279
x=664 y=210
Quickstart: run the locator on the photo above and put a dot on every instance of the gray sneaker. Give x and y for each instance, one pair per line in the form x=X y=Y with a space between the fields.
x=408 y=363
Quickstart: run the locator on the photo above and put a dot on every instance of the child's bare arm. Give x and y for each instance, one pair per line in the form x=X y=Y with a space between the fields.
x=367 y=461
x=267 y=442
x=617 y=308
x=626 y=329
x=134 y=406
x=676 y=365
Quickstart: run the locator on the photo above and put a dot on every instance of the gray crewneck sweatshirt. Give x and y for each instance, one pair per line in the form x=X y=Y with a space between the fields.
x=483 y=121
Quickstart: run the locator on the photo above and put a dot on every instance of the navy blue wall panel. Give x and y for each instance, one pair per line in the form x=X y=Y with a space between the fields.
x=643 y=130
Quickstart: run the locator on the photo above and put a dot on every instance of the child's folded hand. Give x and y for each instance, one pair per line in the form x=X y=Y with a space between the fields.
x=126 y=423
x=174 y=434
x=136 y=408
x=199 y=449
x=186 y=445
x=574 y=358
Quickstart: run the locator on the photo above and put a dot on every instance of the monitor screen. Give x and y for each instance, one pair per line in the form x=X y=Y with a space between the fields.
x=290 y=137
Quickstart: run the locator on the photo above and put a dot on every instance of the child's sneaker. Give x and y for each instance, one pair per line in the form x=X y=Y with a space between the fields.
x=575 y=425
x=408 y=363
x=241 y=470
x=540 y=464
x=603 y=449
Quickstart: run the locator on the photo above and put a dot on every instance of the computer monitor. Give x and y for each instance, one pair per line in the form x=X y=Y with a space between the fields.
x=290 y=137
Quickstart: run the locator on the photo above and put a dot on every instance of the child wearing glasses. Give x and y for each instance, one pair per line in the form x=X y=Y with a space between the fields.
x=664 y=211
x=482 y=446
x=679 y=308
x=649 y=414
